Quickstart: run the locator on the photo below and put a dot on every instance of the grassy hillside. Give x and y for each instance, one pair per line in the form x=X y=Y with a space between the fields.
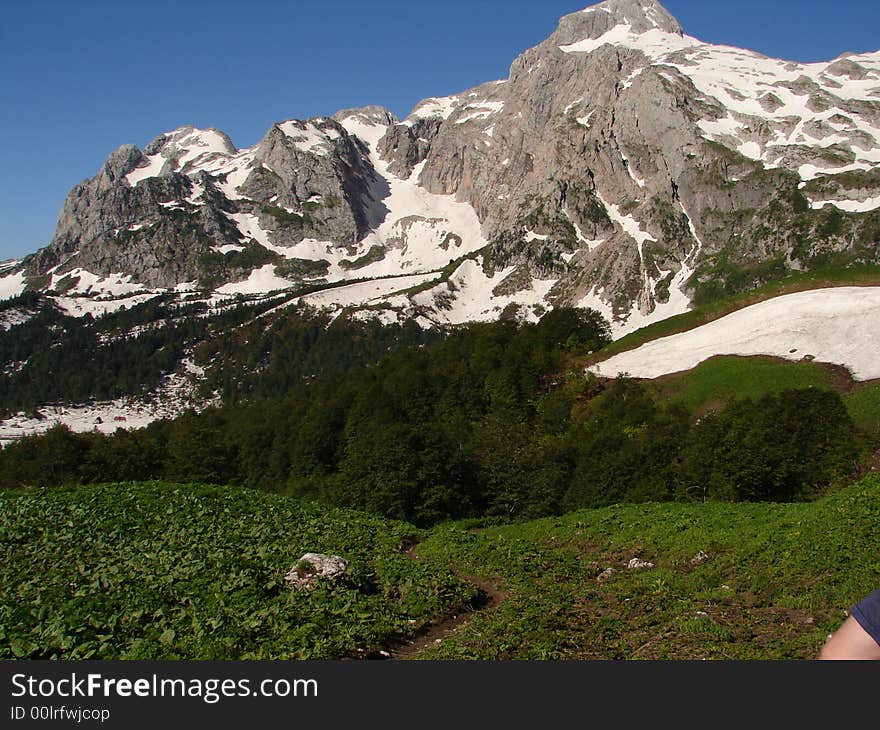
x=863 y=404
x=725 y=378
x=167 y=572
x=777 y=581
x=715 y=383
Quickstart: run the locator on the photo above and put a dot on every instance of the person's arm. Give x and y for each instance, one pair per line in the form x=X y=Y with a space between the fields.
x=850 y=641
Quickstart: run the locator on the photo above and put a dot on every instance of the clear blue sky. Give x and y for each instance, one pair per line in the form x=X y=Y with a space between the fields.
x=80 y=77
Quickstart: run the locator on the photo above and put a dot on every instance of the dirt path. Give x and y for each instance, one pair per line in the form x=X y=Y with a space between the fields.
x=436 y=632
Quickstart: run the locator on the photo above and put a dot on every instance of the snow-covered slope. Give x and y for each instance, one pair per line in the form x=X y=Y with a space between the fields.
x=187 y=150
x=837 y=326
x=817 y=118
x=175 y=395
x=621 y=165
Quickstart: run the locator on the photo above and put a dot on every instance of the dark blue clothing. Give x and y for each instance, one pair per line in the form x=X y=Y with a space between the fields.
x=867 y=613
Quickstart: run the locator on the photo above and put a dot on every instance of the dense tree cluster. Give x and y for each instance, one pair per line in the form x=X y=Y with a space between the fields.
x=489 y=421
x=263 y=360
x=54 y=358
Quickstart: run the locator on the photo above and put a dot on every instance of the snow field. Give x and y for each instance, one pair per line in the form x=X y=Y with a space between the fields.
x=836 y=325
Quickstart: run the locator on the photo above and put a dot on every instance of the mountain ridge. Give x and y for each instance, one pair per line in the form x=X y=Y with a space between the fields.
x=622 y=165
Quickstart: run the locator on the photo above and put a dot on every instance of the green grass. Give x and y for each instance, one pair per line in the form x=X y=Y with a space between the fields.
x=777 y=582
x=863 y=405
x=168 y=572
x=722 y=379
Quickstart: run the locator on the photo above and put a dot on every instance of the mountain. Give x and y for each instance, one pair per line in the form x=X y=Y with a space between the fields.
x=622 y=165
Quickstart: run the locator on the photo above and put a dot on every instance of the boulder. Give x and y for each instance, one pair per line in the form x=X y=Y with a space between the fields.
x=312 y=567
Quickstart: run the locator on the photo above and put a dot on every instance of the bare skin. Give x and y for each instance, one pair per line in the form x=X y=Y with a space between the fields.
x=850 y=641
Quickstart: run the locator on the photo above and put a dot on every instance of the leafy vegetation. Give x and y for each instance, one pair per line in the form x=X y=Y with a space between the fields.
x=495 y=423
x=161 y=571
x=723 y=379
x=53 y=358
x=264 y=360
x=863 y=404
x=376 y=253
x=489 y=421
x=282 y=216
x=775 y=583
x=218 y=267
x=56 y=358
x=165 y=571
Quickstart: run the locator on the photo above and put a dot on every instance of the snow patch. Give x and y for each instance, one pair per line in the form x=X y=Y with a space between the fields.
x=364 y=293
x=153 y=168
x=483 y=110
x=831 y=325
x=850 y=206
x=584 y=121
x=439 y=106
x=227 y=248
x=187 y=150
x=467 y=296
x=309 y=138
x=419 y=231
x=654 y=43
x=176 y=394
x=260 y=281
x=12 y=285
x=83 y=305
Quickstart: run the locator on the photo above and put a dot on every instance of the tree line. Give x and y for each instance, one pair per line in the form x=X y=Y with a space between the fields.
x=491 y=420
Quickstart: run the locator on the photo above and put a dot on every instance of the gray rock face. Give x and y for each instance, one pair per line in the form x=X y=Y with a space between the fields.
x=639 y=564
x=122 y=160
x=407 y=145
x=630 y=166
x=318 y=170
x=152 y=231
x=592 y=164
x=162 y=215
x=372 y=114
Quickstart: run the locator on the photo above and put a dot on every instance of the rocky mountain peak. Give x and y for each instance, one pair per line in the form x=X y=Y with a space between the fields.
x=373 y=114
x=639 y=16
x=120 y=162
x=622 y=165
x=180 y=151
x=188 y=137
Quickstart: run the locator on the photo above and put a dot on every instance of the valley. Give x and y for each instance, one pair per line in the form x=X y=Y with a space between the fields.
x=581 y=363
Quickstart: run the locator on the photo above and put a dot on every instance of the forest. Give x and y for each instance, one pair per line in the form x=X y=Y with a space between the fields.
x=55 y=358
x=493 y=420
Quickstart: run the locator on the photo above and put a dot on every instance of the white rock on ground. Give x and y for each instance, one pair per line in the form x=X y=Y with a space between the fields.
x=639 y=564
x=314 y=566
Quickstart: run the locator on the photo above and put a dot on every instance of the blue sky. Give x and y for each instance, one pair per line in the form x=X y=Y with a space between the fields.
x=78 y=79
